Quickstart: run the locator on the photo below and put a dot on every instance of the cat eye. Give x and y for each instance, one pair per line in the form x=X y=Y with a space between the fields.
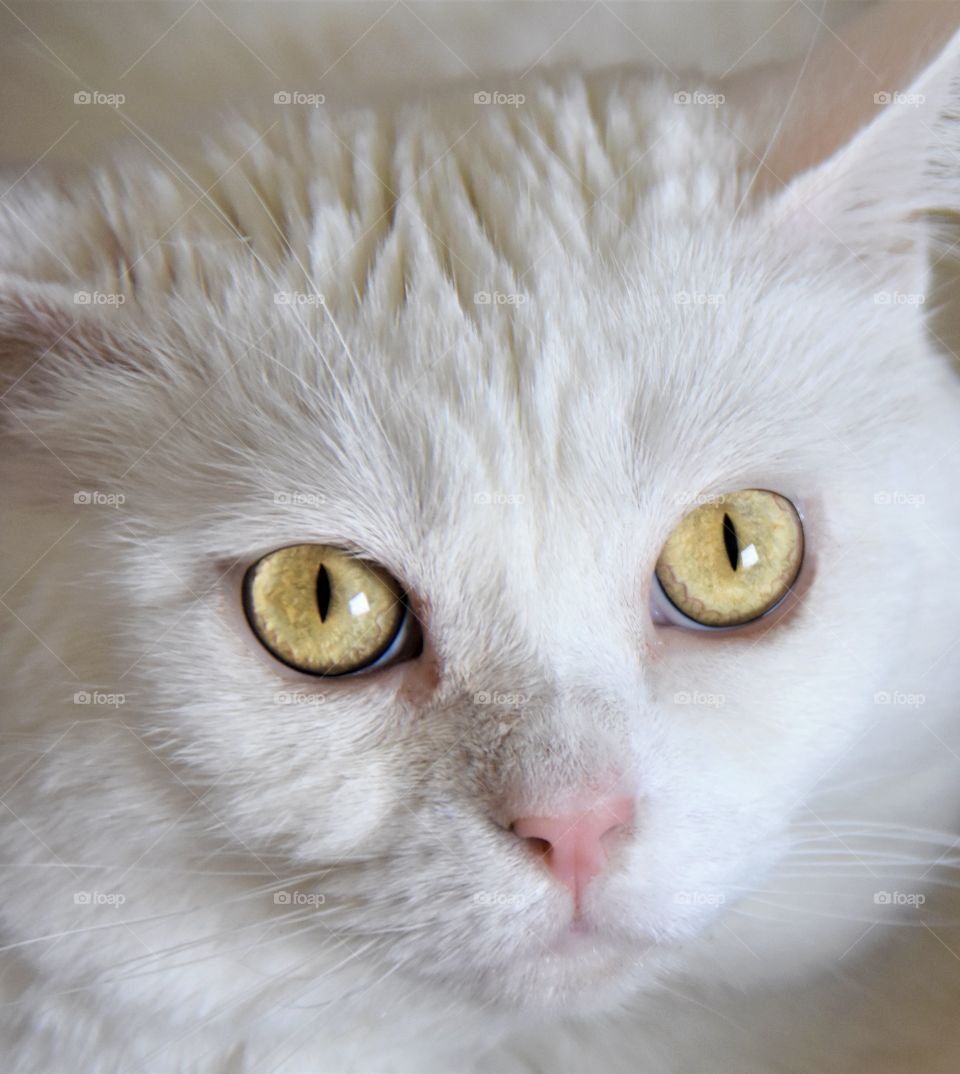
x=733 y=558
x=324 y=612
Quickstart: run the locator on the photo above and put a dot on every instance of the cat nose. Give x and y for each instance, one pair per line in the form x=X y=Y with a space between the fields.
x=572 y=843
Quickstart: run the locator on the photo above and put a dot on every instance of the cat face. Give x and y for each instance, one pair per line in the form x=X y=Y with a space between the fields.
x=506 y=393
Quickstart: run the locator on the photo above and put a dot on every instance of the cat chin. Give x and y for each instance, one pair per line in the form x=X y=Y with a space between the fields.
x=575 y=976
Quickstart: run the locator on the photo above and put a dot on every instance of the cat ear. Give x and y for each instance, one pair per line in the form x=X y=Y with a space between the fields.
x=49 y=331
x=868 y=141
x=60 y=352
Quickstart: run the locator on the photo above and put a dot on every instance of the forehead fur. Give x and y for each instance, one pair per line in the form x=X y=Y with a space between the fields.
x=461 y=300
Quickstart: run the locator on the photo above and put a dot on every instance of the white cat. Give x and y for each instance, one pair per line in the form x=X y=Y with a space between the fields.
x=580 y=795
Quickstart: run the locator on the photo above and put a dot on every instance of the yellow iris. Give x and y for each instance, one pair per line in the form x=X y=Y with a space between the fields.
x=321 y=611
x=734 y=558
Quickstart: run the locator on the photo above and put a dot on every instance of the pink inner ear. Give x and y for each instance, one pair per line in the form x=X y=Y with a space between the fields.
x=810 y=107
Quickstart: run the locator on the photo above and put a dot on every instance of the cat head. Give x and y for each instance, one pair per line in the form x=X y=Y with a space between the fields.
x=501 y=350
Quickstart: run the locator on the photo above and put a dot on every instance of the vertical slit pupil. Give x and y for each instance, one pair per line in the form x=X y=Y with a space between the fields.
x=730 y=541
x=323 y=592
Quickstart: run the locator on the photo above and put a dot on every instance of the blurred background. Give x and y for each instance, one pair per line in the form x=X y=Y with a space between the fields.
x=178 y=68
x=180 y=64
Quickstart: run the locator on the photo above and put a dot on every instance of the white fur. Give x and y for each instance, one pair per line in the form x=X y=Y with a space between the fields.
x=589 y=410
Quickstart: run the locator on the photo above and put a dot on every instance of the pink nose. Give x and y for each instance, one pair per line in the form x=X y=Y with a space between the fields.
x=572 y=845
